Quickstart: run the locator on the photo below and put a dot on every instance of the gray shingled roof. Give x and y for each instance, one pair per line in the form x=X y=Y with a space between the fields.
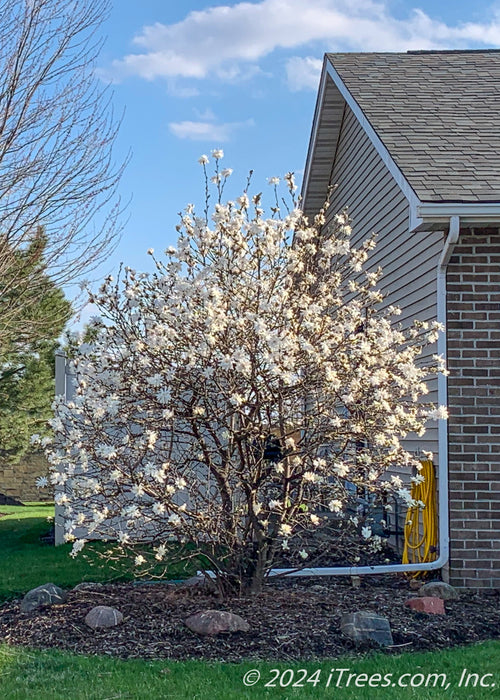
x=437 y=113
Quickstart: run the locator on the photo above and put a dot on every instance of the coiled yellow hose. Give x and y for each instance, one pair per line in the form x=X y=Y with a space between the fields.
x=421 y=525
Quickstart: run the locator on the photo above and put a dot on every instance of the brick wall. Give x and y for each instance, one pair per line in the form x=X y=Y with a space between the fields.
x=18 y=480
x=473 y=301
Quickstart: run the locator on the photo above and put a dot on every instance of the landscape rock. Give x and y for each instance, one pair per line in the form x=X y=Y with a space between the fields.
x=103 y=616
x=212 y=622
x=48 y=594
x=87 y=586
x=429 y=605
x=365 y=626
x=439 y=589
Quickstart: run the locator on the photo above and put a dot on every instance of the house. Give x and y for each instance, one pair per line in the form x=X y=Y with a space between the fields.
x=412 y=143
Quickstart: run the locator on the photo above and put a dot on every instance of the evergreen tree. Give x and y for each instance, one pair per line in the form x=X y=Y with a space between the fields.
x=27 y=360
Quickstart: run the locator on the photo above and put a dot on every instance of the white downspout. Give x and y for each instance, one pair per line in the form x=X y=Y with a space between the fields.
x=444 y=530
x=443 y=506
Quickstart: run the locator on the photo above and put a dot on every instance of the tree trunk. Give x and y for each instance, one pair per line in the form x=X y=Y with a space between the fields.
x=257 y=571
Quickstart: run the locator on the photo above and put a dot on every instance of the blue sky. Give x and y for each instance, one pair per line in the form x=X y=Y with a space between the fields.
x=198 y=75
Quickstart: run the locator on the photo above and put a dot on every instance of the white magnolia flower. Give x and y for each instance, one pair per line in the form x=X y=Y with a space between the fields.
x=341 y=468
x=42 y=482
x=335 y=505
x=366 y=532
x=440 y=413
x=161 y=550
x=163 y=396
x=78 y=545
x=218 y=153
x=156 y=380
x=139 y=560
x=310 y=476
x=203 y=160
x=303 y=554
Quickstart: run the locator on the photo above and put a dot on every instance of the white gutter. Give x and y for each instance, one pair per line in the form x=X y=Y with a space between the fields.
x=489 y=211
x=426 y=216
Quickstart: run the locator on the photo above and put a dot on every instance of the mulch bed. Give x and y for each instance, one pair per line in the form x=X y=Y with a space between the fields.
x=290 y=620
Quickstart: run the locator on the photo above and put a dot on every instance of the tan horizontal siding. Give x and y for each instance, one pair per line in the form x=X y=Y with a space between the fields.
x=377 y=205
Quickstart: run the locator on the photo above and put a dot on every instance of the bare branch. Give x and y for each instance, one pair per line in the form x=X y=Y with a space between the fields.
x=57 y=131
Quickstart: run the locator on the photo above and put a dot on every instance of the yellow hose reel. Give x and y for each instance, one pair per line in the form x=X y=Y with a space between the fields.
x=421 y=525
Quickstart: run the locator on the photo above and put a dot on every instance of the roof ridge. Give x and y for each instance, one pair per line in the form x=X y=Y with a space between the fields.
x=423 y=51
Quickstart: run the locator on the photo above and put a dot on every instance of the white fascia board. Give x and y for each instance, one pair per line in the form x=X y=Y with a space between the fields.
x=382 y=151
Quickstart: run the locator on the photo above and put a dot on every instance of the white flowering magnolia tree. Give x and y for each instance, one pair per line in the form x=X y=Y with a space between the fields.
x=239 y=399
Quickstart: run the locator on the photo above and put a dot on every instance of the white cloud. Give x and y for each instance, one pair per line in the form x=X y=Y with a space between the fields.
x=183 y=91
x=303 y=73
x=218 y=40
x=208 y=131
x=205 y=115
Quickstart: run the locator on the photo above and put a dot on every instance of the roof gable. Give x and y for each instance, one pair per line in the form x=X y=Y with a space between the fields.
x=438 y=115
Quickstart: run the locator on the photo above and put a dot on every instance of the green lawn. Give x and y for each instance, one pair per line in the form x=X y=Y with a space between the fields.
x=27 y=563
x=54 y=675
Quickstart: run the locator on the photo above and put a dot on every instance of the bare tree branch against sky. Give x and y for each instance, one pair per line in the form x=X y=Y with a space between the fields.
x=57 y=129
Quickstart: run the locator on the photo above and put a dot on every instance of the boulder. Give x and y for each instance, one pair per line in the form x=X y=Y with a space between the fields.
x=103 y=616
x=48 y=594
x=212 y=622
x=87 y=586
x=439 y=589
x=365 y=626
x=429 y=605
